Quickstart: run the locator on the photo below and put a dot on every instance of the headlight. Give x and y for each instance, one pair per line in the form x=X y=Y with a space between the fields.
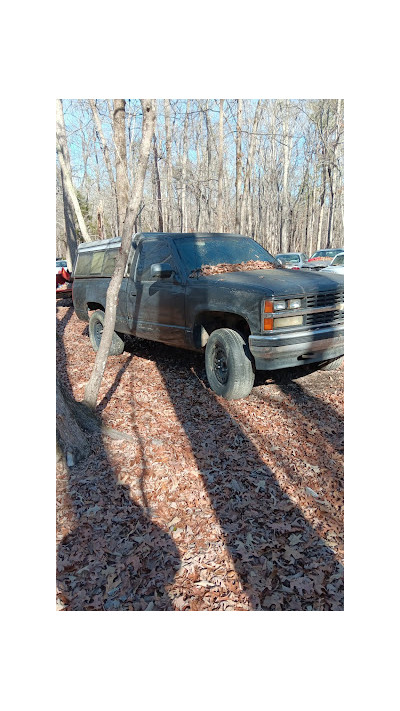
x=294 y=303
x=279 y=305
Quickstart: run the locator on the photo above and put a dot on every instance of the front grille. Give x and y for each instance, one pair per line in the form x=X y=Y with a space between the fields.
x=327 y=298
x=318 y=319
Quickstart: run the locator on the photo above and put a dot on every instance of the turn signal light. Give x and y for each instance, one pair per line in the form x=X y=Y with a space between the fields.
x=268 y=324
x=268 y=307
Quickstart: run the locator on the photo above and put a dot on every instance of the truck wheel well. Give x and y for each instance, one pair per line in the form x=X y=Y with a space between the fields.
x=93 y=306
x=210 y=321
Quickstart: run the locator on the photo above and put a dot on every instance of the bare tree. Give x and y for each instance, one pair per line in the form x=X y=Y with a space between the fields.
x=121 y=166
x=280 y=179
x=105 y=151
x=333 y=172
x=285 y=190
x=184 y=219
x=220 y=166
x=148 y=126
x=168 y=151
x=249 y=166
x=68 y=188
x=158 y=186
x=238 y=182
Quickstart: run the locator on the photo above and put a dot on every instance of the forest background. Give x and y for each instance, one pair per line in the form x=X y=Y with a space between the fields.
x=271 y=169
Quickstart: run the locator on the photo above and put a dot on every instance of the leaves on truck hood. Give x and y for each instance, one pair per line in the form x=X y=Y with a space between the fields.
x=208 y=269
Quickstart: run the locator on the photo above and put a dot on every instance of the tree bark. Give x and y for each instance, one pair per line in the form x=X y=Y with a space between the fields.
x=209 y=166
x=121 y=165
x=105 y=151
x=321 y=209
x=93 y=386
x=285 y=194
x=220 y=166
x=249 y=166
x=158 y=187
x=184 y=220
x=168 y=152
x=238 y=181
x=64 y=160
x=71 y=437
x=100 y=221
x=332 y=170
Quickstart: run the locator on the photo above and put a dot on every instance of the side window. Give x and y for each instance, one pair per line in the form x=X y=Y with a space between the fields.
x=97 y=262
x=152 y=252
x=83 y=263
x=109 y=262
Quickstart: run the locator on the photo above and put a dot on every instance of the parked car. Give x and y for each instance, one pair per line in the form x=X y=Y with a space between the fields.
x=292 y=260
x=322 y=258
x=337 y=264
x=221 y=294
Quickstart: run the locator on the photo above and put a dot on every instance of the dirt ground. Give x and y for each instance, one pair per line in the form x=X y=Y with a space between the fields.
x=210 y=505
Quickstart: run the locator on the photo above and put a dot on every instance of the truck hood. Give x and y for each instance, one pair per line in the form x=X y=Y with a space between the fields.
x=278 y=282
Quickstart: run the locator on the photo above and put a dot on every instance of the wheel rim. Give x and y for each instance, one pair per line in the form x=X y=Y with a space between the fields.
x=98 y=332
x=220 y=365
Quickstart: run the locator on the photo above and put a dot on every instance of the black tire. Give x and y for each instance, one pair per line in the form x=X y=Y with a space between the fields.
x=229 y=364
x=96 y=325
x=333 y=364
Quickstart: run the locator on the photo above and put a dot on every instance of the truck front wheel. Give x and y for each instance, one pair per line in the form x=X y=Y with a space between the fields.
x=96 y=325
x=229 y=365
x=332 y=364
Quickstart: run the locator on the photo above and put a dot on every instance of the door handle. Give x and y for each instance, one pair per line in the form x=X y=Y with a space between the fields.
x=133 y=293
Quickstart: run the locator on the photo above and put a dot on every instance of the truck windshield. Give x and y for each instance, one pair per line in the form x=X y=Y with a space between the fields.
x=196 y=252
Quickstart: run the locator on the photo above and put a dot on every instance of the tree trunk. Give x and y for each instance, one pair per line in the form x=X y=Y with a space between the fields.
x=285 y=194
x=184 y=220
x=249 y=166
x=100 y=221
x=238 y=181
x=158 y=186
x=321 y=209
x=70 y=232
x=220 y=166
x=71 y=437
x=64 y=160
x=93 y=386
x=105 y=151
x=168 y=144
x=121 y=165
x=332 y=170
x=209 y=166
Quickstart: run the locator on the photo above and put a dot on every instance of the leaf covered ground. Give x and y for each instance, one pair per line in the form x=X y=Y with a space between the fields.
x=210 y=505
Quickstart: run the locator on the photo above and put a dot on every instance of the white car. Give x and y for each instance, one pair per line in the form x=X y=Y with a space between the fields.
x=337 y=265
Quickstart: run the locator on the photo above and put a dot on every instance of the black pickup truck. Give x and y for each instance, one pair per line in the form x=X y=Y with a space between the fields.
x=245 y=320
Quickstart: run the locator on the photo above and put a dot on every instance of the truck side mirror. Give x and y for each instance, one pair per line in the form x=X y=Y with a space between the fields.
x=161 y=271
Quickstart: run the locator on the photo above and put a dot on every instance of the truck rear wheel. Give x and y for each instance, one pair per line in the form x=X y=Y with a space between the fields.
x=96 y=325
x=229 y=365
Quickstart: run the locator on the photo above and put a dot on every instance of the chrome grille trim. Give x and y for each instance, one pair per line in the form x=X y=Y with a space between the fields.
x=327 y=298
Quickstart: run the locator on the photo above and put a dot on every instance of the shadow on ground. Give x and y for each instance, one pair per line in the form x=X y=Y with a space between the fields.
x=114 y=556
x=280 y=559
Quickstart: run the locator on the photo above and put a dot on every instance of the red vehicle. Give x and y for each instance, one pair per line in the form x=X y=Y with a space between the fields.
x=63 y=284
x=322 y=258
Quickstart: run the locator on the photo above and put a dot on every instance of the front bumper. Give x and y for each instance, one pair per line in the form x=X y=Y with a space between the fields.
x=285 y=350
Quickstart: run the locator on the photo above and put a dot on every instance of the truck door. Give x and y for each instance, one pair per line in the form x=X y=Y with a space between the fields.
x=156 y=305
